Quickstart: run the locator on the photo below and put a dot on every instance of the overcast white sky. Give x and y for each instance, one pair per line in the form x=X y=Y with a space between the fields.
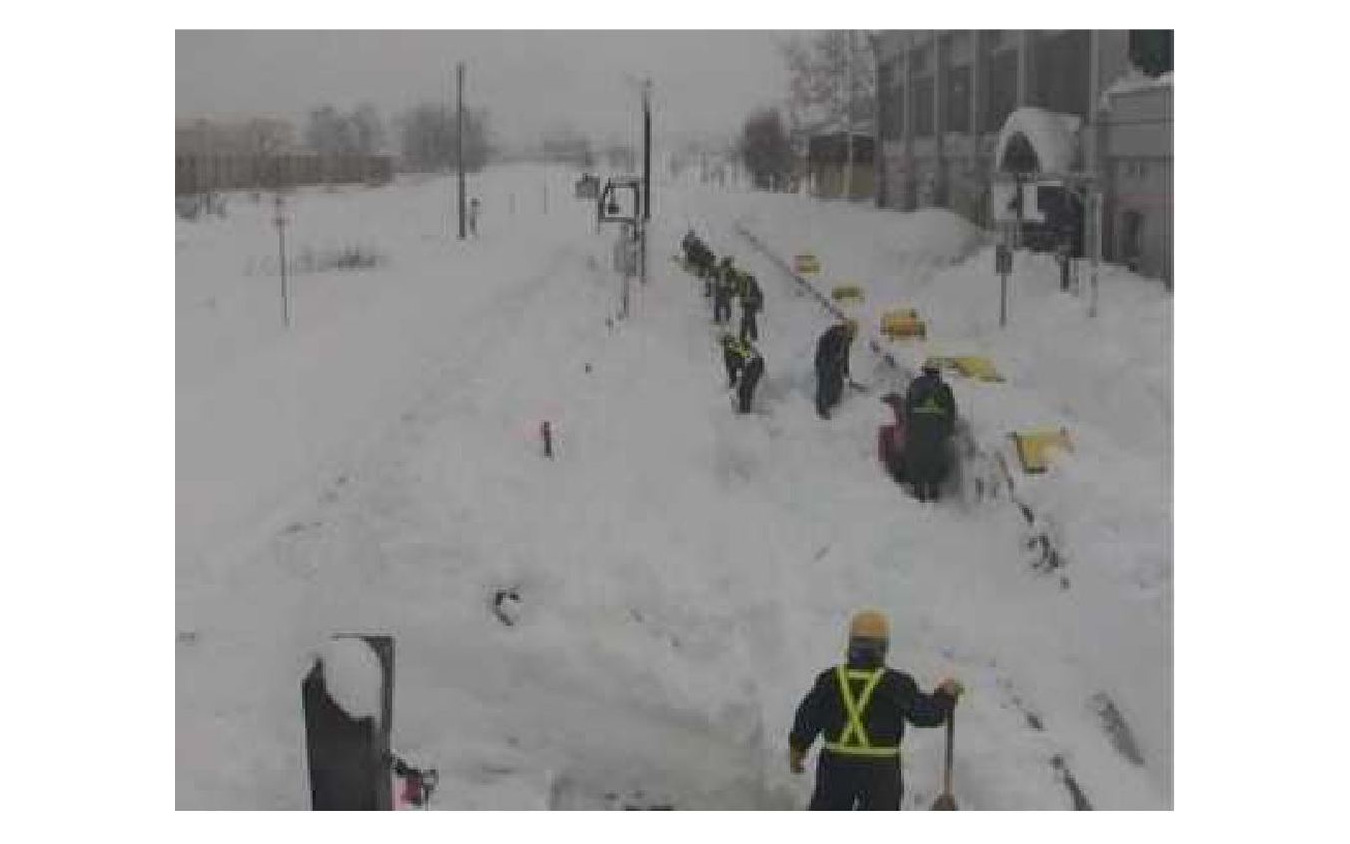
x=704 y=81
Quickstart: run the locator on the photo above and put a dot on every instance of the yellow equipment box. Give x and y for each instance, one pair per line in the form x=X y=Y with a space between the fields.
x=1034 y=447
x=972 y=366
x=846 y=291
x=805 y=263
x=903 y=323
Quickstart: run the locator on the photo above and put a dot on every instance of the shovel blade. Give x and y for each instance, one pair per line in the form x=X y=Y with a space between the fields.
x=944 y=803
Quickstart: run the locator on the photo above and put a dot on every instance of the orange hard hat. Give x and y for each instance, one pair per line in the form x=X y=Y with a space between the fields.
x=869 y=624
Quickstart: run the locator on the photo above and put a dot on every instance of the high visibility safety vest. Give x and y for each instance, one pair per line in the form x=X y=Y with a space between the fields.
x=931 y=404
x=853 y=741
x=742 y=350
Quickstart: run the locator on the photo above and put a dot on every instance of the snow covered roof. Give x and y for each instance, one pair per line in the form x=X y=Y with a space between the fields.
x=1135 y=81
x=1053 y=137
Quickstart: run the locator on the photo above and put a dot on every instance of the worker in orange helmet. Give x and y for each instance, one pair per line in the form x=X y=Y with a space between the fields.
x=861 y=708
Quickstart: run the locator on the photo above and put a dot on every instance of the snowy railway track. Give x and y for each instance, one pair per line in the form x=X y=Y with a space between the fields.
x=980 y=473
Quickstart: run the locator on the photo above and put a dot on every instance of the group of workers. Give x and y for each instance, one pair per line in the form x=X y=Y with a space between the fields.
x=914 y=450
x=859 y=707
x=723 y=281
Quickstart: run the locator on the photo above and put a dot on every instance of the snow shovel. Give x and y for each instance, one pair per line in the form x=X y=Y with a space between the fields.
x=945 y=801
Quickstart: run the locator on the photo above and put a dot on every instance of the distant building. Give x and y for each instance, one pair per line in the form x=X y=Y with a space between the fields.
x=827 y=155
x=955 y=107
x=261 y=154
x=1136 y=155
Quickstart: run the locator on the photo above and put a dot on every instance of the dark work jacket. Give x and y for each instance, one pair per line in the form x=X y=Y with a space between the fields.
x=726 y=281
x=897 y=699
x=930 y=411
x=832 y=351
x=737 y=356
x=752 y=298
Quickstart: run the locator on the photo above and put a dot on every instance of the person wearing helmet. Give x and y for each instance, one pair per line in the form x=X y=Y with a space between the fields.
x=745 y=366
x=752 y=302
x=891 y=439
x=832 y=364
x=930 y=418
x=860 y=709
x=724 y=285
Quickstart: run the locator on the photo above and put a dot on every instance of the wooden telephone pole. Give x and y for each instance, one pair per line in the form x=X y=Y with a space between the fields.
x=459 y=142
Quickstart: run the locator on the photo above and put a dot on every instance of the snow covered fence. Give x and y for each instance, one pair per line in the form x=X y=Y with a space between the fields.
x=309 y=260
x=984 y=470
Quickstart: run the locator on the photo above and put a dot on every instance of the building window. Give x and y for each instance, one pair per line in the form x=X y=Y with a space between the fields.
x=891 y=101
x=1001 y=84
x=1062 y=72
x=958 y=99
x=920 y=61
x=897 y=106
x=1151 y=50
x=923 y=107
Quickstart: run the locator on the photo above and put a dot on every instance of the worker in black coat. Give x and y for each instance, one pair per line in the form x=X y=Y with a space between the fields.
x=930 y=419
x=752 y=302
x=745 y=366
x=832 y=364
x=705 y=266
x=724 y=286
x=860 y=708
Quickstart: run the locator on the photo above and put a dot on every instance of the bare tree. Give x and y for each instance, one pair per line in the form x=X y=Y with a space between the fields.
x=267 y=138
x=367 y=129
x=832 y=74
x=329 y=132
x=833 y=83
x=428 y=138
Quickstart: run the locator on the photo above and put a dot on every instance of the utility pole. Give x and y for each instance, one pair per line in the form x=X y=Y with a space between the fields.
x=459 y=143
x=280 y=221
x=646 y=150
x=848 y=119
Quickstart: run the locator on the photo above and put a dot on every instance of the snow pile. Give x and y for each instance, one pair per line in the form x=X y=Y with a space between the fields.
x=352 y=676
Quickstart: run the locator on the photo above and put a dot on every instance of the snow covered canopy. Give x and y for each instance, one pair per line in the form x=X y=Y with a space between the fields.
x=1034 y=140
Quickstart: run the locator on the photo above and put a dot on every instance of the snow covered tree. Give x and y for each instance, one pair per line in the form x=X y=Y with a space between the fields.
x=428 y=135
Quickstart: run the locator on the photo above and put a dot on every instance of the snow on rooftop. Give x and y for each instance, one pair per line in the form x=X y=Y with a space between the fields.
x=1052 y=135
x=1134 y=81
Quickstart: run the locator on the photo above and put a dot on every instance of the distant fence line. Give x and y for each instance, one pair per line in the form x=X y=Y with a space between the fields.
x=200 y=173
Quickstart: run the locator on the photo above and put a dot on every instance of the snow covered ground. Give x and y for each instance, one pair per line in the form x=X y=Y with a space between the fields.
x=682 y=572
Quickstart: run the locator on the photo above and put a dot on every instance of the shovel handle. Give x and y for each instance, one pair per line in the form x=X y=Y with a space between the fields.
x=951 y=739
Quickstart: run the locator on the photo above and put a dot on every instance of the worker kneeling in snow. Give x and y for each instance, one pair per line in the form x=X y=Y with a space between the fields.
x=930 y=418
x=861 y=709
x=891 y=439
x=745 y=366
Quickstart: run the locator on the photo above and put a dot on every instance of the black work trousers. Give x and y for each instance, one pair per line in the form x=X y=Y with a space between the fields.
x=721 y=307
x=829 y=388
x=857 y=782
x=745 y=390
x=749 y=330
